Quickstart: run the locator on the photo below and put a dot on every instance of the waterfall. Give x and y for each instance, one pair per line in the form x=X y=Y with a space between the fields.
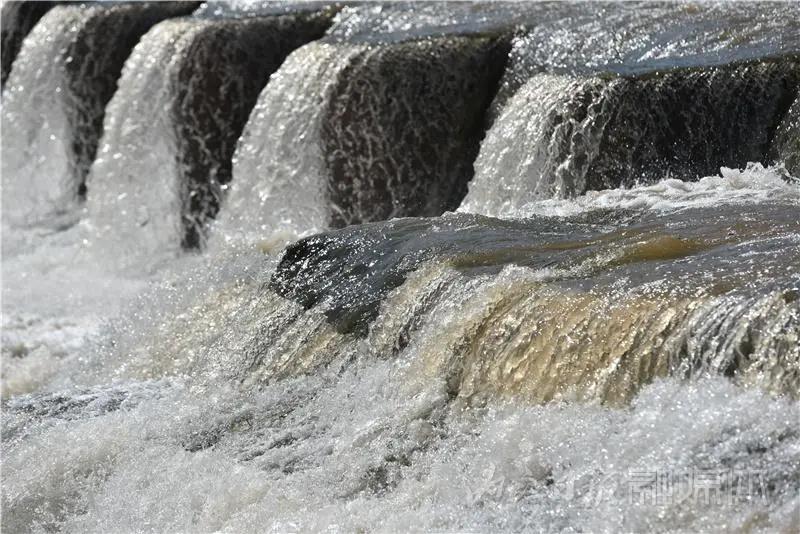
x=131 y=121
x=18 y=18
x=196 y=98
x=555 y=122
x=364 y=141
x=786 y=146
x=402 y=266
x=55 y=98
x=546 y=317
x=574 y=134
x=279 y=167
x=361 y=177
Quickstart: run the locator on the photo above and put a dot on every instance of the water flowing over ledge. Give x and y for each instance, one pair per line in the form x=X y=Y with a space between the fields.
x=560 y=136
x=303 y=266
x=74 y=56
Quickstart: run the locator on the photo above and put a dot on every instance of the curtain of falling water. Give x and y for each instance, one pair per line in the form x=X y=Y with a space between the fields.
x=277 y=412
x=279 y=170
x=36 y=163
x=135 y=169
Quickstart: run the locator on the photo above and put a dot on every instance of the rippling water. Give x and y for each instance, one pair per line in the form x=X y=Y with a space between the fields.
x=604 y=335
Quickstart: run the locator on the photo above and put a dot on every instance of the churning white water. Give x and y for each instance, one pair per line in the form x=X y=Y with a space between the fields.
x=552 y=356
x=37 y=148
x=282 y=141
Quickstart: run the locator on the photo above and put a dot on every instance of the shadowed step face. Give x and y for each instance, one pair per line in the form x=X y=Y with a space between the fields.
x=691 y=122
x=786 y=147
x=95 y=60
x=579 y=133
x=403 y=125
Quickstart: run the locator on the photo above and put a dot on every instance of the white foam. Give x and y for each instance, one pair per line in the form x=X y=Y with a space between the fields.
x=359 y=452
x=36 y=171
x=151 y=441
x=751 y=185
x=278 y=169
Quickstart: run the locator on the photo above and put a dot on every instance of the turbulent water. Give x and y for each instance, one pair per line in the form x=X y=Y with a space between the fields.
x=381 y=267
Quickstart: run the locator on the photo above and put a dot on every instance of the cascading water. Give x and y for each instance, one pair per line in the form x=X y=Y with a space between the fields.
x=574 y=134
x=604 y=337
x=55 y=99
x=786 y=146
x=282 y=142
x=194 y=99
x=18 y=18
x=372 y=123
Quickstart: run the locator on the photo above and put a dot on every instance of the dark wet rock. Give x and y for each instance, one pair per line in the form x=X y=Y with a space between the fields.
x=349 y=272
x=353 y=269
x=645 y=37
x=576 y=133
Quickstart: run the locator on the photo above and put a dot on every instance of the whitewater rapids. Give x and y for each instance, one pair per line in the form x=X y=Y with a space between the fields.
x=547 y=356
